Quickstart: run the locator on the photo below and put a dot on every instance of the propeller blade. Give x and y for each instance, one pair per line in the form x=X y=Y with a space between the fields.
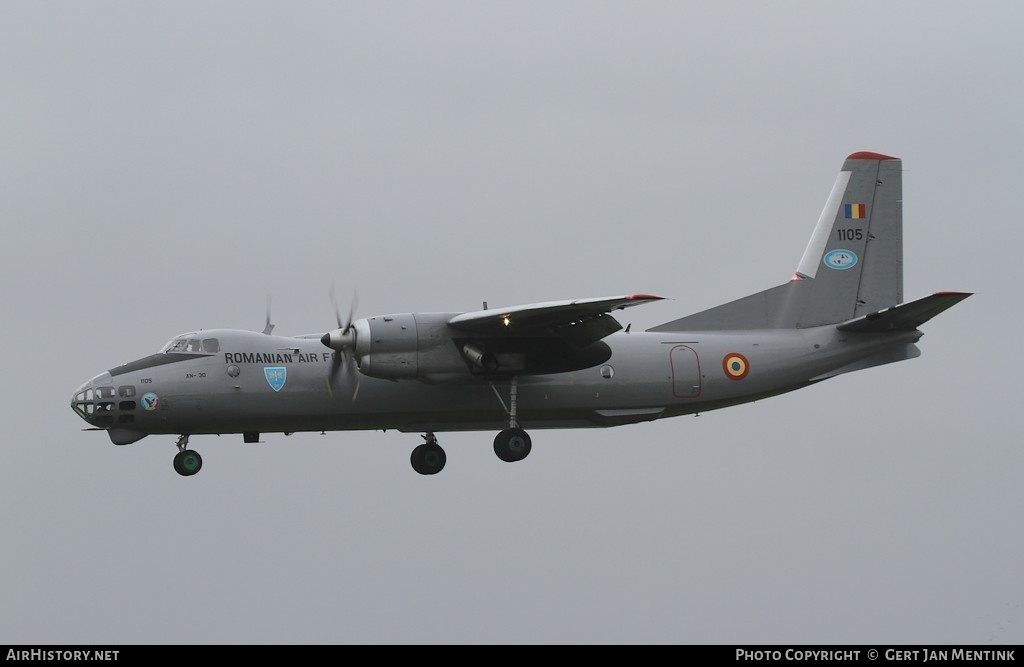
x=339 y=359
x=337 y=311
x=336 y=361
x=342 y=346
x=353 y=372
x=351 y=311
x=347 y=324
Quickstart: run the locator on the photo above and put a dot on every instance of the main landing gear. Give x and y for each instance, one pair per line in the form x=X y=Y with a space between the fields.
x=511 y=444
x=187 y=462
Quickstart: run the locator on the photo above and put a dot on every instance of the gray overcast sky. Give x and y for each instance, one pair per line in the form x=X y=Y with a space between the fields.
x=165 y=165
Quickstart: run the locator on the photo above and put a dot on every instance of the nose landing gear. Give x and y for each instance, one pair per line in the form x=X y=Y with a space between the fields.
x=428 y=458
x=187 y=462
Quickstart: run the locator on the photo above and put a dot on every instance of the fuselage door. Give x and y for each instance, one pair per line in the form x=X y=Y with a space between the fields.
x=685 y=372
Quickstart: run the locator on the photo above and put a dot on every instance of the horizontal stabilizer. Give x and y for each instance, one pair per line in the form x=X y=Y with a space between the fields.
x=906 y=316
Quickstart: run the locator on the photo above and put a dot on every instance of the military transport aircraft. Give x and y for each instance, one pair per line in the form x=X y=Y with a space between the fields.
x=558 y=364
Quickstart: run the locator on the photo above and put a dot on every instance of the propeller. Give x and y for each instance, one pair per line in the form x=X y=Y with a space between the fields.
x=342 y=340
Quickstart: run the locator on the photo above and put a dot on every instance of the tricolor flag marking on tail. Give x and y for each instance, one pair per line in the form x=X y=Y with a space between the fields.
x=855 y=211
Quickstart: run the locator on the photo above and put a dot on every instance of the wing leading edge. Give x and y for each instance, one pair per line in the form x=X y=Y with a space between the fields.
x=581 y=321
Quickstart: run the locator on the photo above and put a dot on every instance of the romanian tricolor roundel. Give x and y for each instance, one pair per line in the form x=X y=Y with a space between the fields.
x=736 y=366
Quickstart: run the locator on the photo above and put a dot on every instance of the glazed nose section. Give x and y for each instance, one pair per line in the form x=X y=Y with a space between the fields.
x=95 y=402
x=83 y=402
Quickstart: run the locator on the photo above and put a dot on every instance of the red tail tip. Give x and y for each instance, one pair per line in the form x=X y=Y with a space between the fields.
x=868 y=155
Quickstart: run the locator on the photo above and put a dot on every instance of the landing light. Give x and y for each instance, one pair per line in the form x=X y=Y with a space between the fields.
x=507 y=320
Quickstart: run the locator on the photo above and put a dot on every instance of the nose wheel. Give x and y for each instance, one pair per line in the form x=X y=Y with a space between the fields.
x=187 y=462
x=428 y=458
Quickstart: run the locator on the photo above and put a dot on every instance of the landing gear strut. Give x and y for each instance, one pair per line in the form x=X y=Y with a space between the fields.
x=428 y=458
x=187 y=462
x=513 y=443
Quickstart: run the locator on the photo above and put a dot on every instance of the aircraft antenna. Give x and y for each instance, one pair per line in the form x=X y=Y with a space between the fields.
x=268 y=327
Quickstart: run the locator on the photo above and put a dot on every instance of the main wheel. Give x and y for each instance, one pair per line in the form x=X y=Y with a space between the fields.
x=512 y=444
x=187 y=462
x=428 y=459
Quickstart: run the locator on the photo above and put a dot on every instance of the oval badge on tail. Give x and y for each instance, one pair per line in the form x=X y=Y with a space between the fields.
x=840 y=259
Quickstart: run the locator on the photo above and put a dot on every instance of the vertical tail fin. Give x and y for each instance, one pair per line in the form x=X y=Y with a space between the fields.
x=852 y=266
x=855 y=256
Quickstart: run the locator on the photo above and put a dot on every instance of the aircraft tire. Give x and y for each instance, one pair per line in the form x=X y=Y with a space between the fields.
x=428 y=459
x=512 y=444
x=187 y=462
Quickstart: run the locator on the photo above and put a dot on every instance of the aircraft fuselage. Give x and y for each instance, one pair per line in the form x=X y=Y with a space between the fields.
x=256 y=383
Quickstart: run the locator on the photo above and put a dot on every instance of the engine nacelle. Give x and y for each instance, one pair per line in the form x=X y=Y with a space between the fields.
x=407 y=346
x=423 y=346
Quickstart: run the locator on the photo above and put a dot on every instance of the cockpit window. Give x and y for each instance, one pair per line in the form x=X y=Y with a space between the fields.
x=186 y=345
x=176 y=345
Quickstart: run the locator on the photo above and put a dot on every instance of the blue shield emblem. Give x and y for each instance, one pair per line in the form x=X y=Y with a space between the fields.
x=276 y=375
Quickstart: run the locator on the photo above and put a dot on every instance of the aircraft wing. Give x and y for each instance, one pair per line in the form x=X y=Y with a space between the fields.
x=581 y=321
